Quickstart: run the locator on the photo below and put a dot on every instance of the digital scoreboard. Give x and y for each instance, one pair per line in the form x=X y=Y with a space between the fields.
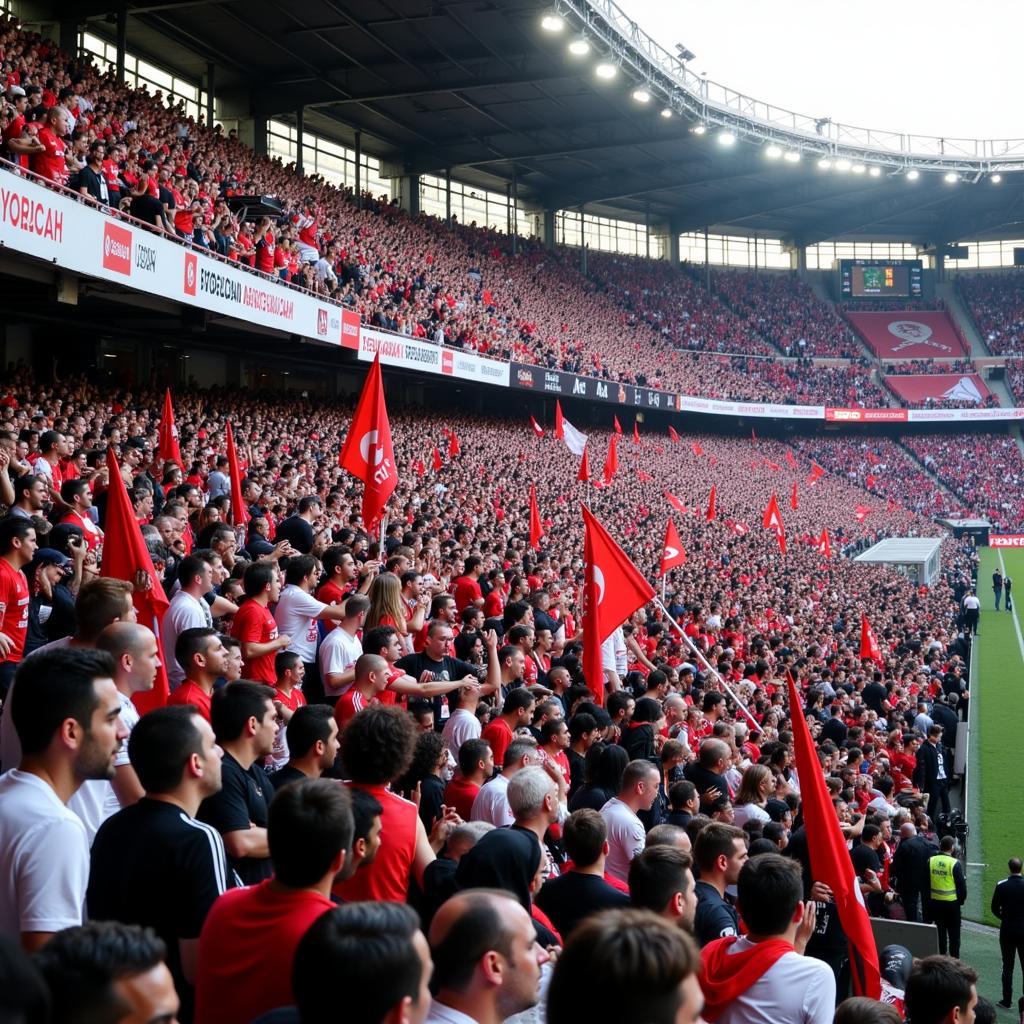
x=879 y=279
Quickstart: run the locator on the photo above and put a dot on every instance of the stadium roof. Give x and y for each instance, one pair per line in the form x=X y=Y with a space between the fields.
x=477 y=87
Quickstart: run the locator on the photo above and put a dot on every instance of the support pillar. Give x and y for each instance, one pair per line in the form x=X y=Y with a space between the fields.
x=548 y=229
x=407 y=188
x=940 y=262
x=583 y=246
x=69 y=35
x=514 y=211
x=300 y=119
x=448 y=196
x=122 y=40
x=673 y=248
x=707 y=260
x=211 y=87
x=359 y=170
x=259 y=135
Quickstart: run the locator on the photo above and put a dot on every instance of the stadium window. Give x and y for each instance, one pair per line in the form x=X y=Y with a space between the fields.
x=734 y=251
x=606 y=234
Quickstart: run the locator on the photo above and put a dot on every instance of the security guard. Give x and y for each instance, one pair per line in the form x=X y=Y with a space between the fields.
x=948 y=890
x=1008 y=906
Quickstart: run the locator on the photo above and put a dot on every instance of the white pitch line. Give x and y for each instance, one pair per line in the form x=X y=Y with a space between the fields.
x=1016 y=622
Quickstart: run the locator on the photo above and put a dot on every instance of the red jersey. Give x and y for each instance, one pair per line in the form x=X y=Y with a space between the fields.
x=388 y=877
x=494 y=603
x=499 y=735
x=466 y=591
x=350 y=703
x=333 y=593
x=13 y=609
x=50 y=163
x=253 y=623
x=190 y=693
x=460 y=794
x=292 y=701
x=246 y=949
x=90 y=531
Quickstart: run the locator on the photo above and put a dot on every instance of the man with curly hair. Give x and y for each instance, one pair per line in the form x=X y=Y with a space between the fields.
x=376 y=749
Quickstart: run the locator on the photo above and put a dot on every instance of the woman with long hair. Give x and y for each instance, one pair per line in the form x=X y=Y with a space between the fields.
x=757 y=785
x=388 y=609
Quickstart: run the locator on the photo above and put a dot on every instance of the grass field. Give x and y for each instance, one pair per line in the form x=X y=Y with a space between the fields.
x=996 y=789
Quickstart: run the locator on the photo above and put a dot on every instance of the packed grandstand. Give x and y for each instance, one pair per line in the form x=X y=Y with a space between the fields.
x=396 y=705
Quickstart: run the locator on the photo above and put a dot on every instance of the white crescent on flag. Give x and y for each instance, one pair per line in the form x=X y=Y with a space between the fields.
x=670 y=552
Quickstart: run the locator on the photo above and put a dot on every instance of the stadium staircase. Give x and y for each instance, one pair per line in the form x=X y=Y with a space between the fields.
x=930 y=473
x=950 y=295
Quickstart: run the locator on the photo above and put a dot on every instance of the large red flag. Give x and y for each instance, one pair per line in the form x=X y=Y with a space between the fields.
x=239 y=513
x=167 y=449
x=830 y=859
x=611 y=462
x=537 y=428
x=584 y=474
x=367 y=452
x=613 y=588
x=824 y=544
x=435 y=460
x=618 y=425
x=672 y=433
x=636 y=433
x=453 y=445
x=711 y=505
x=697 y=449
x=674 y=501
x=125 y=555
x=772 y=520
x=861 y=512
x=559 y=432
x=816 y=473
x=794 y=502
x=536 y=532
x=868 y=644
x=672 y=554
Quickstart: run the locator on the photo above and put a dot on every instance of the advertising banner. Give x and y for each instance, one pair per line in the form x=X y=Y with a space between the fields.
x=909 y=335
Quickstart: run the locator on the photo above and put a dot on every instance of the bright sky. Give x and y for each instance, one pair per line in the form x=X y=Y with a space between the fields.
x=936 y=68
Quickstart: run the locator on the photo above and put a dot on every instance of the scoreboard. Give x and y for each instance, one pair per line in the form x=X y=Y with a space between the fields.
x=879 y=279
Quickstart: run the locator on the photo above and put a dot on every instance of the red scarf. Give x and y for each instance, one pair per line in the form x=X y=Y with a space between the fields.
x=725 y=976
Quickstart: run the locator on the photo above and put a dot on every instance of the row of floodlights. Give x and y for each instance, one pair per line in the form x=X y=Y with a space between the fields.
x=578 y=46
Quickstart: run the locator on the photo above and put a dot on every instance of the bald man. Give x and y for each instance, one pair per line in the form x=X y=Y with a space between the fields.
x=909 y=869
x=487 y=961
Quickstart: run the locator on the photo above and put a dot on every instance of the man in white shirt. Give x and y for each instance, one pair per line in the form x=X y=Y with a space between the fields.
x=188 y=610
x=626 y=833
x=68 y=719
x=298 y=611
x=462 y=724
x=491 y=803
x=342 y=648
x=774 y=984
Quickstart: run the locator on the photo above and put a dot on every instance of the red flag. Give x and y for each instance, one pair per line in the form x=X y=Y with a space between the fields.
x=643 y=477
x=367 y=452
x=672 y=553
x=830 y=859
x=672 y=433
x=697 y=449
x=435 y=460
x=790 y=461
x=167 y=447
x=614 y=589
x=584 y=473
x=239 y=513
x=559 y=433
x=738 y=528
x=772 y=520
x=794 y=504
x=611 y=462
x=537 y=428
x=618 y=426
x=861 y=512
x=824 y=544
x=419 y=467
x=535 y=528
x=711 y=505
x=636 y=433
x=124 y=556
x=816 y=473
x=773 y=466
x=869 y=480
x=674 y=501
x=453 y=445
x=869 y=648
x=872 y=459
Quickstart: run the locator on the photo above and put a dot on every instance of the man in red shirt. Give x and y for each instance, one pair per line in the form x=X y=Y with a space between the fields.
x=372 y=677
x=249 y=938
x=466 y=590
x=254 y=625
x=476 y=766
x=516 y=713
x=17 y=546
x=203 y=656
x=51 y=163
x=77 y=495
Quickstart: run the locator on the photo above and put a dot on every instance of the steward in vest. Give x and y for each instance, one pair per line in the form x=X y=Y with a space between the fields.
x=947 y=892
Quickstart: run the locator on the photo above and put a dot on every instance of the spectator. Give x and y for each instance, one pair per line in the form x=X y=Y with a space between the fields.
x=626 y=834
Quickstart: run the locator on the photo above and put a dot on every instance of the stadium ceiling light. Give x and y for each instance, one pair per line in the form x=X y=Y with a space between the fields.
x=552 y=22
x=772 y=152
x=996 y=178
x=858 y=168
x=792 y=156
x=666 y=112
x=606 y=70
x=641 y=95
x=824 y=163
x=875 y=172
x=951 y=178
x=726 y=138
x=843 y=164
x=699 y=129
x=579 y=47
x=913 y=174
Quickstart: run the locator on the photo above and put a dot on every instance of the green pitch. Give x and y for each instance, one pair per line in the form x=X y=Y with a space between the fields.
x=996 y=787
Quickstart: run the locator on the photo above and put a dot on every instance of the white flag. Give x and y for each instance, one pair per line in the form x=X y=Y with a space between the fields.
x=964 y=390
x=574 y=439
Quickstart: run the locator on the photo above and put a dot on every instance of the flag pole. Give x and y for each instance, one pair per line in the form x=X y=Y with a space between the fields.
x=704 y=661
x=663 y=582
x=383 y=532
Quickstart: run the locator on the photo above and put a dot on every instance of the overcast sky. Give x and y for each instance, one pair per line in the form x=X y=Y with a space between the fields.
x=938 y=68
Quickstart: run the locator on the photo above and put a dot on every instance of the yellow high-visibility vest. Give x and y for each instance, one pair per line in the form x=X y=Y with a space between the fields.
x=940 y=872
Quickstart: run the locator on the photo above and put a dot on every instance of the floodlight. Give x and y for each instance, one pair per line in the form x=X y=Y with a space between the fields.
x=699 y=129
x=951 y=178
x=552 y=22
x=996 y=178
x=913 y=174
x=605 y=70
x=843 y=164
x=858 y=168
x=666 y=112
x=875 y=171
x=772 y=152
x=579 y=47
x=726 y=138
x=792 y=156
x=824 y=163
x=641 y=95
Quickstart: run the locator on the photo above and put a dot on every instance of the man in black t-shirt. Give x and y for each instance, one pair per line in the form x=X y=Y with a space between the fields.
x=720 y=853
x=245 y=722
x=152 y=863
x=707 y=772
x=868 y=867
x=298 y=529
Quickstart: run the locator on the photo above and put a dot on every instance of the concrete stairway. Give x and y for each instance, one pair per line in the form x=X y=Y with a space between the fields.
x=947 y=291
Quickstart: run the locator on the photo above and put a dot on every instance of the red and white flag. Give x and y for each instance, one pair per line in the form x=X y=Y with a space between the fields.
x=710 y=514
x=537 y=428
x=536 y=531
x=239 y=513
x=636 y=432
x=740 y=529
x=559 y=419
x=672 y=554
x=613 y=590
x=830 y=859
x=869 y=649
x=575 y=440
x=772 y=520
x=816 y=473
x=674 y=501
x=861 y=512
x=367 y=453
x=167 y=449
x=824 y=544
